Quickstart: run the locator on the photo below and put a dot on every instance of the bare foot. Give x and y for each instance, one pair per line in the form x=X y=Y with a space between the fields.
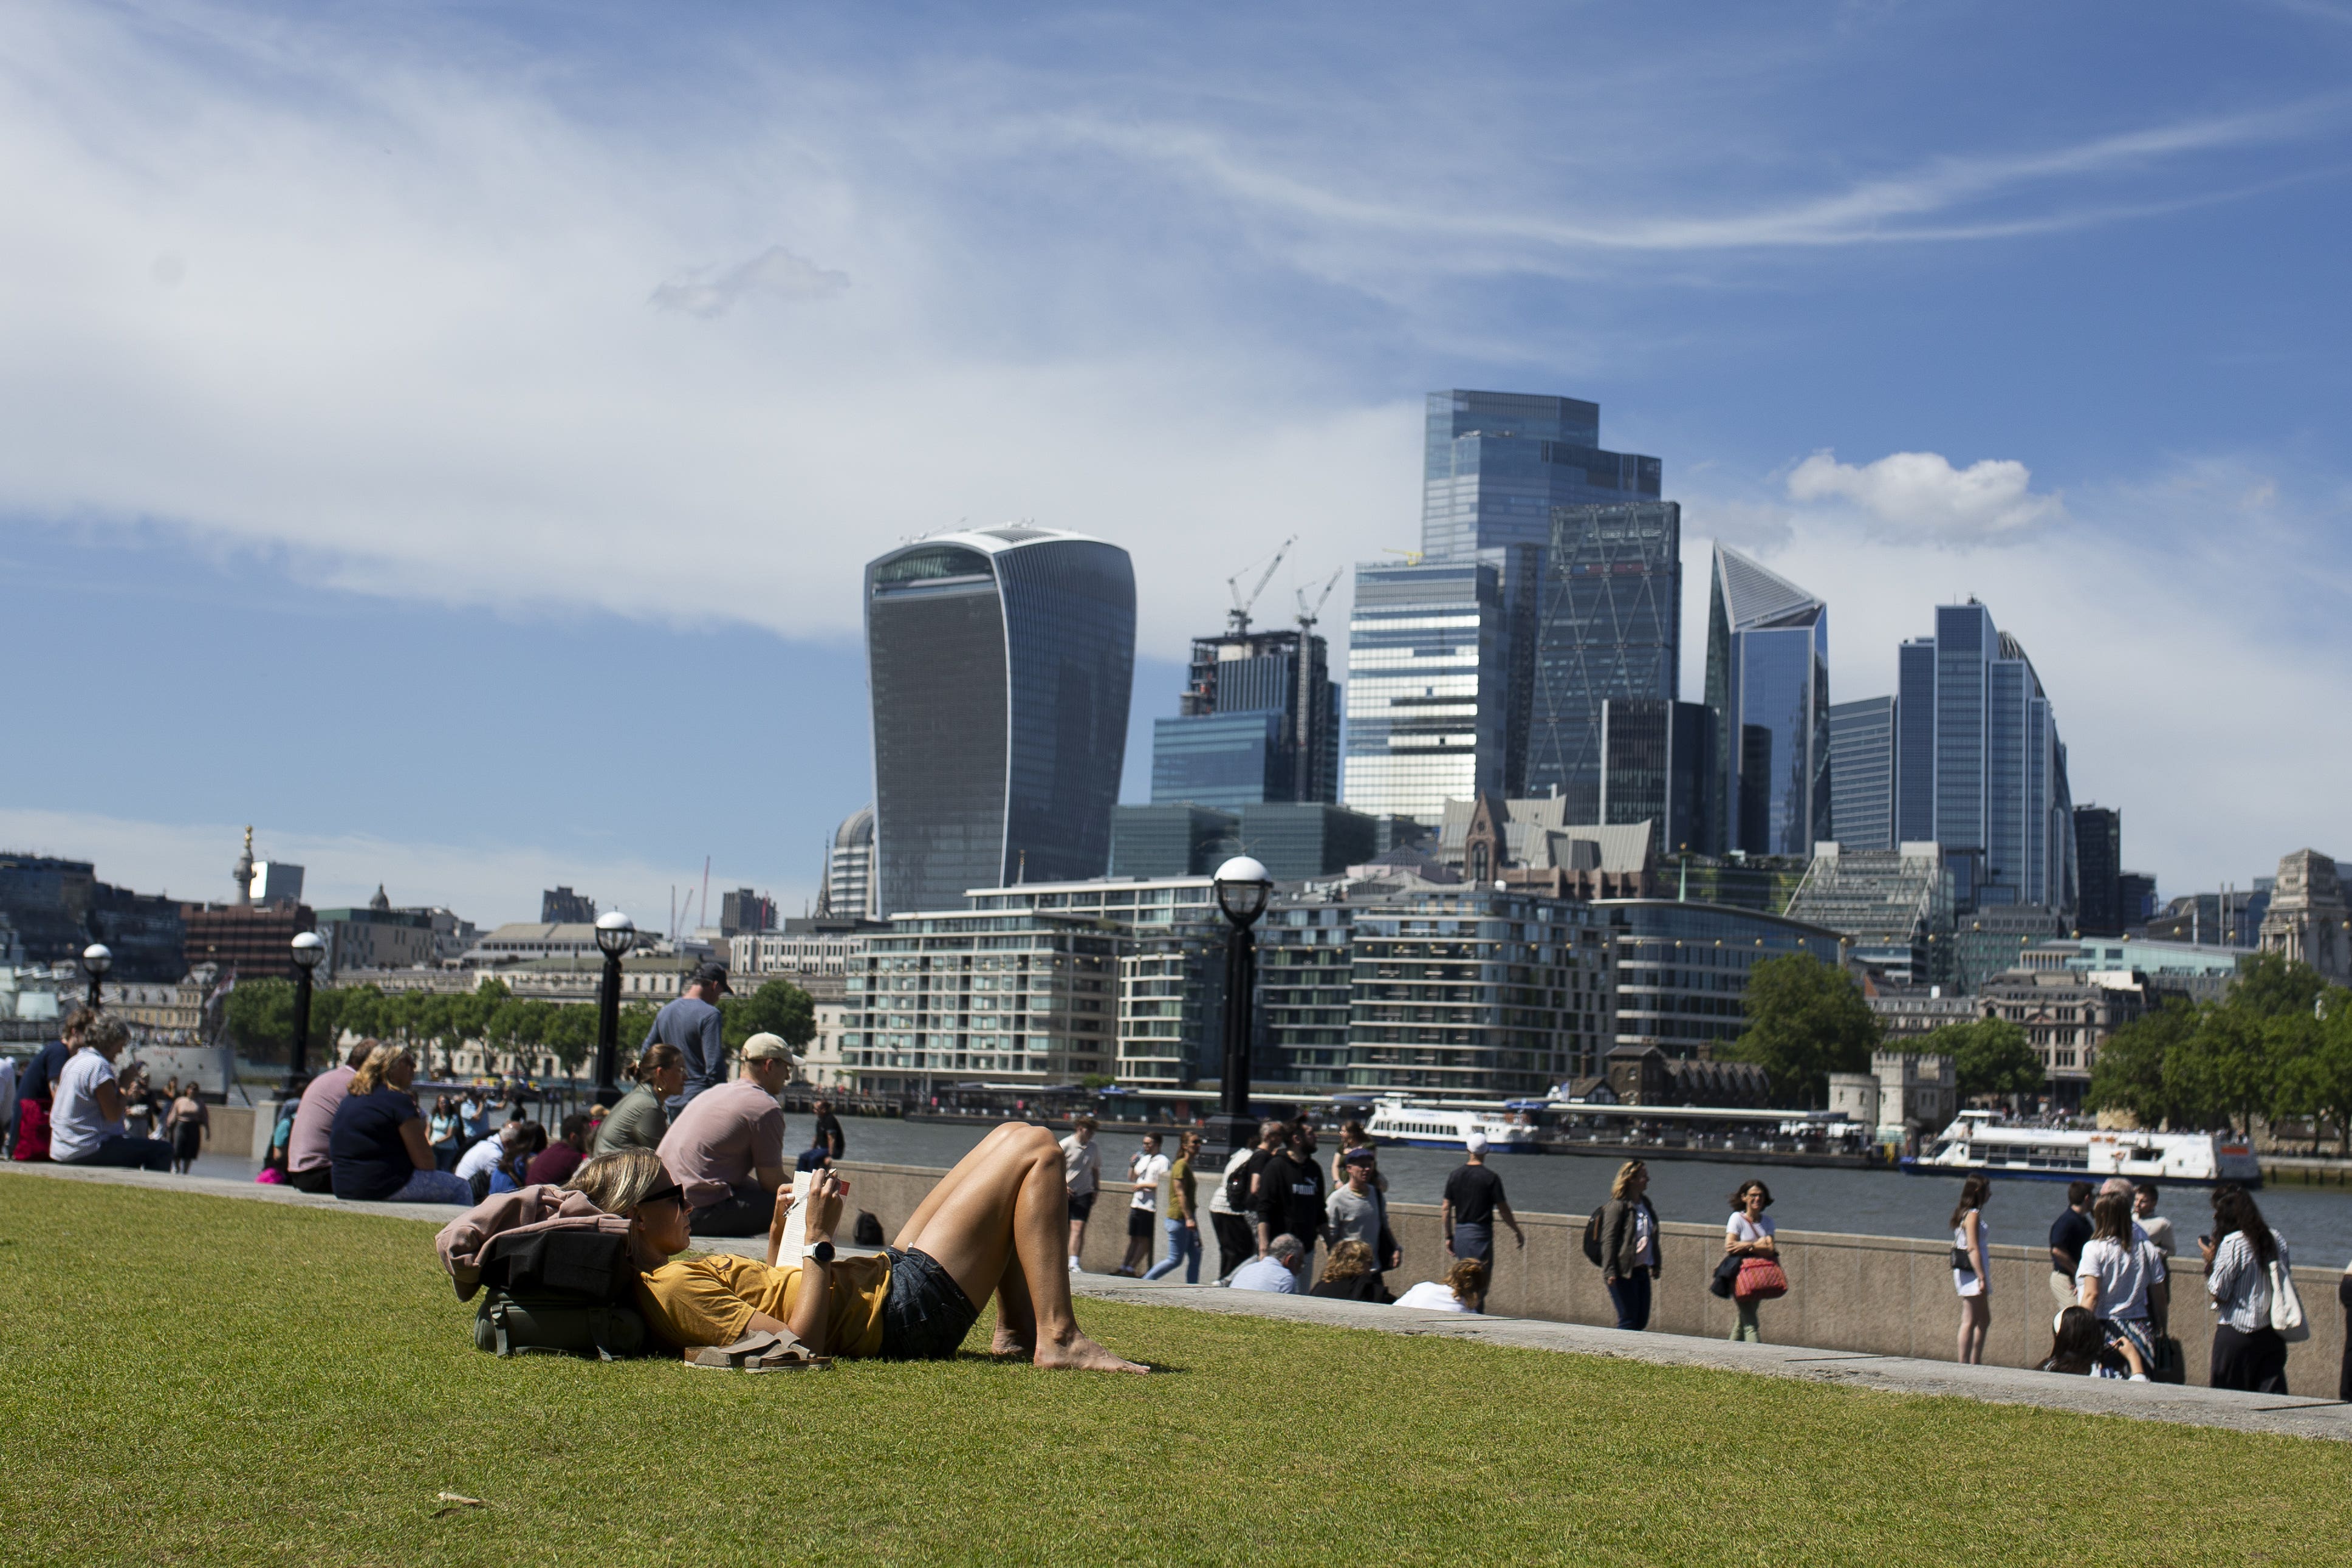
x=1007 y=1342
x=1080 y=1354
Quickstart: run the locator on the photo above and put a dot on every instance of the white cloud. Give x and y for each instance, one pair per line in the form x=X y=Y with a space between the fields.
x=1920 y=494
x=775 y=271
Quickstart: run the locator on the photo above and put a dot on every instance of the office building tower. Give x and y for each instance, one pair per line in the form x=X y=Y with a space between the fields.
x=2135 y=897
x=847 y=888
x=744 y=912
x=1768 y=681
x=561 y=906
x=1258 y=721
x=1001 y=662
x=1656 y=758
x=1983 y=772
x=1425 y=687
x=2099 y=871
x=1863 y=783
x=2308 y=922
x=1608 y=627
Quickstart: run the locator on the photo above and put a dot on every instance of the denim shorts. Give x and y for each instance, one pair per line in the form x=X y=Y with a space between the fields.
x=926 y=1313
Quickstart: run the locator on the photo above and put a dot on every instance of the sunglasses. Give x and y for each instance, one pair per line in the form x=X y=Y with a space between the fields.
x=667 y=1192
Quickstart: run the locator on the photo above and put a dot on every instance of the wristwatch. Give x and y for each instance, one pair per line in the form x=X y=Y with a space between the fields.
x=821 y=1253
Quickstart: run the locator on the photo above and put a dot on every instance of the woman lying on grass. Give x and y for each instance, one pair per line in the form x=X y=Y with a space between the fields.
x=995 y=1224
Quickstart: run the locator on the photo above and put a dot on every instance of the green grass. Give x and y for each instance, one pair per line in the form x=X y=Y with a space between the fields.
x=190 y=1379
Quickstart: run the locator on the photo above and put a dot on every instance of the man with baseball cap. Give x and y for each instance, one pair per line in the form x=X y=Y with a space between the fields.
x=691 y=1024
x=735 y=1133
x=1473 y=1195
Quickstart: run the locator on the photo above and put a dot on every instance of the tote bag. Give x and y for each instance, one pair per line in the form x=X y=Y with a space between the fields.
x=2286 y=1307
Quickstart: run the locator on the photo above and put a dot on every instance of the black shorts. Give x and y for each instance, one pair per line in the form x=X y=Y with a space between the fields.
x=1139 y=1223
x=1082 y=1204
x=927 y=1314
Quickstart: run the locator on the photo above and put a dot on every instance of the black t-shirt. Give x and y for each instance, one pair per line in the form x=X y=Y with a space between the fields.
x=1290 y=1197
x=1361 y=1288
x=38 y=1081
x=2069 y=1236
x=1474 y=1191
x=828 y=1133
x=369 y=1158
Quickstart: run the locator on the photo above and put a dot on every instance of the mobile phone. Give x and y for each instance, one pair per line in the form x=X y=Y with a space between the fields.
x=2207 y=1241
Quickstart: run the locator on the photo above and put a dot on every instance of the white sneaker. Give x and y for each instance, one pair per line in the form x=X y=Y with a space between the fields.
x=1074 y=1267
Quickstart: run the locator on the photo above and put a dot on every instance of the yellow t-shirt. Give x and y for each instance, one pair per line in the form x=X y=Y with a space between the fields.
x=709 y=1300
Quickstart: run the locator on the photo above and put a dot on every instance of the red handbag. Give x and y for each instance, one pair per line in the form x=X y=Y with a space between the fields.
x=1761 y=1279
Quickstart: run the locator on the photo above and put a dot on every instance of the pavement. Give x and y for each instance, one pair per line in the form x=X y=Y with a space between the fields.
x=2277 y=1415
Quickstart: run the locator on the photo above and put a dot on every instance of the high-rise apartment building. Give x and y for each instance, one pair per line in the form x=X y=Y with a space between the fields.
x=1980 y=768
x=1001 y=662
x=1863 y=780
x=1656 y=760
x=1258 y=721
x=1768 y=681
x=1608 y=627
x=2099 y=871
x=1425 y=687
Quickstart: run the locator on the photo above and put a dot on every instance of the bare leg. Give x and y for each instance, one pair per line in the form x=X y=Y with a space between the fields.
x=1077 y=1238
x=1016 y=1314
x=1003 y=1208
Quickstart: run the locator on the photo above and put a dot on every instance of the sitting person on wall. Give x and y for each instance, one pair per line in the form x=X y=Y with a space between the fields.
x=993 y=1226
x=1276 y=1271
x=377 y=1145
x=36 y=1087
x=734 y=1133
x=553 y=1165
x=520 y=1143
x=86 y=1121
x=817 y=1156
x=1464 y=1290
x=1351 y=1276
x=642 y=1117
x=309 y=1167
x=2083 y=1349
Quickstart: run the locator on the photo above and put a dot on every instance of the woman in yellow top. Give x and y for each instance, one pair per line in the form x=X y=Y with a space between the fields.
x=993 y=1227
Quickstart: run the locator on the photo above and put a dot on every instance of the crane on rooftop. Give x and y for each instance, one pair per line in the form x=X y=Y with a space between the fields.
x=1308 y=614
x=1238 y=617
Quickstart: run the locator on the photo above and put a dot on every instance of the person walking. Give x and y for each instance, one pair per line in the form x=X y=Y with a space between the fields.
x=1183 y=1220
x=1970 y=1281
x=1359 y=1212
x=1290 y=1194
x=2122 y=1277
x=692 y=1023
x=184 y=1127
x=1145 y=1168
x=1629 y=1246
x=2248 y=1354
x=2068 y=1233
x=1748 y=1234
x=1081 y=1175
x=1235 y=1201
x=1473 y=1195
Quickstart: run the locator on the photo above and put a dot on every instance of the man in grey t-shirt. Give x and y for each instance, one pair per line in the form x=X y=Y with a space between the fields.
x=1358 y=1213
x=691 y=1023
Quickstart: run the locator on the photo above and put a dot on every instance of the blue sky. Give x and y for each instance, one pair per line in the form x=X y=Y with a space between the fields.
x=448 y=437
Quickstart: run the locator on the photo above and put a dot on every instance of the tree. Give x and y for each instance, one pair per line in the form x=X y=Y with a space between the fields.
x=1990 y=1056
x=2131 y=1073
x=261 y=1015
x=1806 y=1021
x=777 y=1008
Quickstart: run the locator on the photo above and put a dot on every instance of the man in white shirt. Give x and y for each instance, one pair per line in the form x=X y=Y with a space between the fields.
x=1147 y=1169
x=1081 y=1169
x=1277 y=1273
x=86 y=1118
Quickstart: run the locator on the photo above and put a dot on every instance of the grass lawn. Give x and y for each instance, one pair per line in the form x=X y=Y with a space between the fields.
x=191 y=1379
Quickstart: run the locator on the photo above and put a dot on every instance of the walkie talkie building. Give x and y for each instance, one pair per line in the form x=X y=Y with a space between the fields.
x=1000 y=663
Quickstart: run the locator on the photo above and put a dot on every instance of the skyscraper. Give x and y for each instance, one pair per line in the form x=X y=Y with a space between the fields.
x=1768 y=681
x=1258 y=721
x=1607 y=626
x=2099 y=871
x=1983 y=773
x=848 y=888
x=1001 y=663
x=1656 y=760
x=1863 y=777
x=1425 y=687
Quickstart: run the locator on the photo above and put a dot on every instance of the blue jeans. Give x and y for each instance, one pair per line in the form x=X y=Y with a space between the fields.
x=1184 y=1246
x=1630 y=1297
x=434 y=1186
x=128 y=1153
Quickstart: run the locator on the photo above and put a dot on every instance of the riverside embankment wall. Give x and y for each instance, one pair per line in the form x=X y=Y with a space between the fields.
x=1887 y=1295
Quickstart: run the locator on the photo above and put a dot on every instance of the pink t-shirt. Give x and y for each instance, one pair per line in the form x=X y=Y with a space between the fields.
x=725 y=1135
x=314 y=1119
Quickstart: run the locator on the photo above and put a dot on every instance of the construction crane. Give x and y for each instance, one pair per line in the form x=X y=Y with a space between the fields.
x=1238 y=617
x=1309 y=614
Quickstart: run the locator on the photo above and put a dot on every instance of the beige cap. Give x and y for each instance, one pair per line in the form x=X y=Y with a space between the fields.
x=769 y=1047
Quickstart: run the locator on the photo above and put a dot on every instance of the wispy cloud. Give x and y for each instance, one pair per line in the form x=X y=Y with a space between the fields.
x=775 y=272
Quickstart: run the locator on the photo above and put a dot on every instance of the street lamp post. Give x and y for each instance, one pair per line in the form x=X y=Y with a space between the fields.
x=309 y=952
x=1242 y=889
x=616 y=934
x=98 y=957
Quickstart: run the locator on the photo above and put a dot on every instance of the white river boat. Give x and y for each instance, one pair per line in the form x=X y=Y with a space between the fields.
x=1432 y=1126
x=1979 y=1141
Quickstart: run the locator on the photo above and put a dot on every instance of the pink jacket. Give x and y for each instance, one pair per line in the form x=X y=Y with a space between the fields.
x=462 y=1240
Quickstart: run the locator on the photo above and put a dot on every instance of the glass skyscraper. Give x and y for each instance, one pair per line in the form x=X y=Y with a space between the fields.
x=1259 y=722
x=1608 y=627
x=1980 y=768
x=1425 y=684
x=1001 y=662
x=1768 y=681
x=1656 y=760
x=1863 y=774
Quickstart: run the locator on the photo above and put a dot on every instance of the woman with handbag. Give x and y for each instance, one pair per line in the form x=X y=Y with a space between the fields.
x=1748 y=1237
x=1970 y=1282
x=2243 y=1261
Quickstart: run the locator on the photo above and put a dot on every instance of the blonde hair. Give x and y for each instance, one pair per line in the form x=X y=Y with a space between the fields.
x=380 y=1061
x=1348 y=1259
x=618 y=1182
x=1467 y=1278
x=1625 y=1174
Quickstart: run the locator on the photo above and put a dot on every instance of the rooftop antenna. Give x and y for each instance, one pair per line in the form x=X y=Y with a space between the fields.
x=1238 y=617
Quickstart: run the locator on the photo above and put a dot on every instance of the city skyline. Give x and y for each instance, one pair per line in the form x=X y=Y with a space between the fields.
x=1899 y=356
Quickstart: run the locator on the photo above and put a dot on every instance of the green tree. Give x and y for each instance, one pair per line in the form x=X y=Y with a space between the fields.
x=1806 y=1019
x=1990 y=1056
x=777 y=1008
x=2131 y=1075
x=261 y=1017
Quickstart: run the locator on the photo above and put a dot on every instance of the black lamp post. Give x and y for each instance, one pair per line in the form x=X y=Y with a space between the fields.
x=98 y=957
x=1242 y=889
x=309 y=952
x=616 y=934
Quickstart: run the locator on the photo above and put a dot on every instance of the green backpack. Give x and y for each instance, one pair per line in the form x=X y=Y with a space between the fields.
x=560 y=1293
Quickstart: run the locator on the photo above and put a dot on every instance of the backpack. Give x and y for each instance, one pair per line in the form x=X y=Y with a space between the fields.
x=1592 y=1237
x=559 y=1292
x=1237 y=1186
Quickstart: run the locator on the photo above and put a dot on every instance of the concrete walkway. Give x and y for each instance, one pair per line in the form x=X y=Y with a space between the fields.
x=2293 y=1418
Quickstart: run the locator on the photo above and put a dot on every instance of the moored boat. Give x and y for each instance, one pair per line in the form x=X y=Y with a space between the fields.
x=1979 y=1141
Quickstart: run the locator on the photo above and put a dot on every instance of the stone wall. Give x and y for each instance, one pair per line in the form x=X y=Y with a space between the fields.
x=1885 y=1295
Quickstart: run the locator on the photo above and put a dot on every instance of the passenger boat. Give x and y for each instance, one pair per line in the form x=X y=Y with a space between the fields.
x=1980 y=1142
x=1423 y=1125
